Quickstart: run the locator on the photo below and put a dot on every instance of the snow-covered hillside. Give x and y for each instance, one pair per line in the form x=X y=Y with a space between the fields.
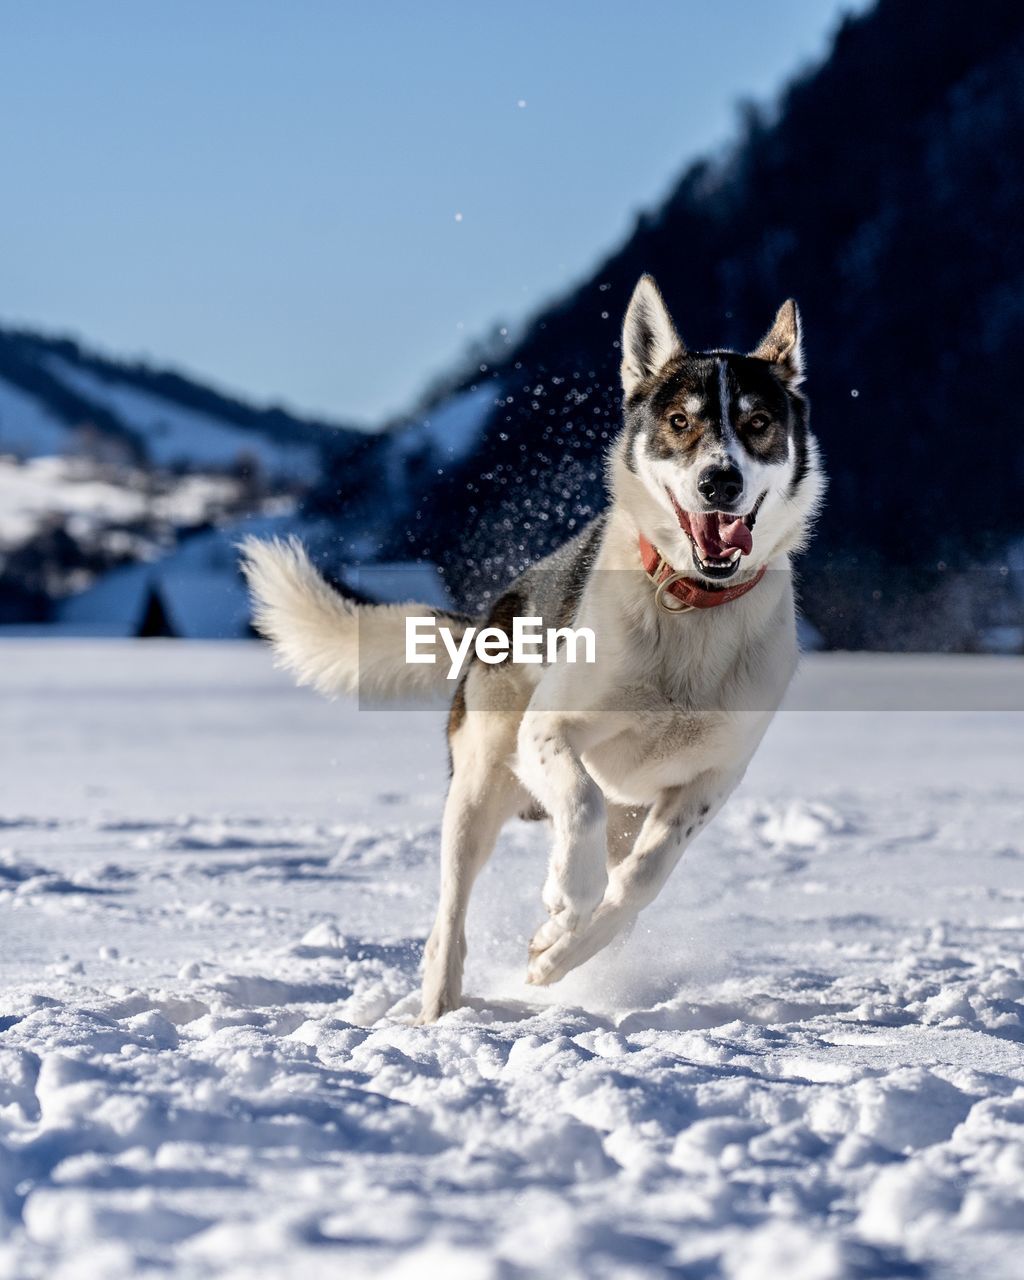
x=107 y=466
x=28 y=428
x=175 y=435
x=58 y=399
x=41 y=490
x=807 y=1062
x=84 y=447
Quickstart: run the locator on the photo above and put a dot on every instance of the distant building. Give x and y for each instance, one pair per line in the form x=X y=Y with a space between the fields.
x=154 y=600
x=197 y=592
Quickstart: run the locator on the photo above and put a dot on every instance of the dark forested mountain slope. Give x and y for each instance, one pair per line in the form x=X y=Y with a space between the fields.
x=885 y=194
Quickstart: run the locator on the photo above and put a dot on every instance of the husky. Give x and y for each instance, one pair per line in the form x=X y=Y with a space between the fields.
x=714 y=483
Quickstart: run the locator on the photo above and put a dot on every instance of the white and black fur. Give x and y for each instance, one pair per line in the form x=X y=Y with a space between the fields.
x=631 y=757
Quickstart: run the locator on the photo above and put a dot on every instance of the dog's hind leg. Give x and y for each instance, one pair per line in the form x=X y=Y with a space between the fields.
x=483 y=794
x=624 y=825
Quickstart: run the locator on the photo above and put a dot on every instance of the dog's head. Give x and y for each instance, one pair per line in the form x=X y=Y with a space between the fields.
x=716 y=463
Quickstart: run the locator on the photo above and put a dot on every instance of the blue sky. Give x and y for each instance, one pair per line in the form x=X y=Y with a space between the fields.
x=320 y=203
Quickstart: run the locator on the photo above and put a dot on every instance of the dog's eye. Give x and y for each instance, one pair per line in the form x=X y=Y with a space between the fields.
x=758 y=421
x=678 y=422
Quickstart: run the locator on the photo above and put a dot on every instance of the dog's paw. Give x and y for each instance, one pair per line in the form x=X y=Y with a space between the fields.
x=547 y=951
x=548 y=944
x=548 y=933
x=564 y=920
x=435 y=1006
x=554 y=953
x=442 y=992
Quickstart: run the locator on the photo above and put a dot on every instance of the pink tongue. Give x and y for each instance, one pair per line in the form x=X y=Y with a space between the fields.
x=716 y=534
x=736 y=535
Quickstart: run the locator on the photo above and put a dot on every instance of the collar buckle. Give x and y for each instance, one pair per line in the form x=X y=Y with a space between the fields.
x=663 y=594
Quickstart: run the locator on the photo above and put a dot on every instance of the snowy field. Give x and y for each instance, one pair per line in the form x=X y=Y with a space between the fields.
x=807 y=1062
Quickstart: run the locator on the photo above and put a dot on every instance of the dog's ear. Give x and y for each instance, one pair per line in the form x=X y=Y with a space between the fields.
x=649 y=337
x=782 y=345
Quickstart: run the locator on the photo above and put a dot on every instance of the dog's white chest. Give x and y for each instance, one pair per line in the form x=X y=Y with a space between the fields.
x=670 y=747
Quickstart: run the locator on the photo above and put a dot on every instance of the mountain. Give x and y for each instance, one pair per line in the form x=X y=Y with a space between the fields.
x=52 y=391
x=106 y=463
x=885 y=193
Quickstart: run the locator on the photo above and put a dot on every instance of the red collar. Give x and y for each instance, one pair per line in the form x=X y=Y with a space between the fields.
x=690 y=594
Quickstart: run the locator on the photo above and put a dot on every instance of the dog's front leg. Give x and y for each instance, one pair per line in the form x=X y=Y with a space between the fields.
x=671 y=824
x=550 y=765
x=482 y=795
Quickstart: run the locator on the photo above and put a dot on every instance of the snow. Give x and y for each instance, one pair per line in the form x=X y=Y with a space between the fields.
x=39 y=491
x=806 y=1061
x=34 y=492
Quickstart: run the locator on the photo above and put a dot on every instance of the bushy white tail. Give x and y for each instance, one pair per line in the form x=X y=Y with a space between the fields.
x=330 y=642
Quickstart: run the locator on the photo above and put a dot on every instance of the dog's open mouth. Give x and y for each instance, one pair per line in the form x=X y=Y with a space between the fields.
x=720 y=539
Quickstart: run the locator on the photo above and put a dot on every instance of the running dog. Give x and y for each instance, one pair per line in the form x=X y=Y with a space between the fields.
x=714 y=484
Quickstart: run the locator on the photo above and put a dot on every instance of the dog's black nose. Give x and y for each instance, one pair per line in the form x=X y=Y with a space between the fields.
x=720 y=486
